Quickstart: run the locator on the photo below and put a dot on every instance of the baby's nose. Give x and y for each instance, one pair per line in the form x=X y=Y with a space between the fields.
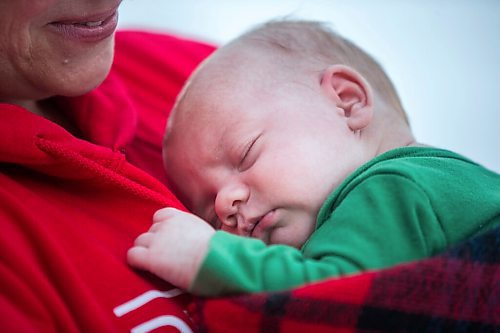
x=228 y=202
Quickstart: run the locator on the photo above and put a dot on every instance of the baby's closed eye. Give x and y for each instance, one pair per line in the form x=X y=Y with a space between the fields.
x=248 y=155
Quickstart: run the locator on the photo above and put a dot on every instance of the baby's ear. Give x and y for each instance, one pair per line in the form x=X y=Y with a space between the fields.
x=351 y=93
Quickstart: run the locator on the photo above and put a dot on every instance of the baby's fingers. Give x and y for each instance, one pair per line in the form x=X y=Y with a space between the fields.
x=165 y=214
x=156 y=227
x=144 y=240
x=138 y=257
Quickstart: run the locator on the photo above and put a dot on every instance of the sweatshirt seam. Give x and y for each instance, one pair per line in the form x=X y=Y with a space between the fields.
x=109 y=173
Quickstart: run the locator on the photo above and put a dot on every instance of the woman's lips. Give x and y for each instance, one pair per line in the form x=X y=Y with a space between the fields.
x=88 y=29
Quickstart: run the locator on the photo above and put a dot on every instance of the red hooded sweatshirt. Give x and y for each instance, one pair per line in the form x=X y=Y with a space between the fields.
x=71 y=206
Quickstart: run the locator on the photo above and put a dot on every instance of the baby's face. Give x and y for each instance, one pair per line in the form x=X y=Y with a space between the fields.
x=262 y=161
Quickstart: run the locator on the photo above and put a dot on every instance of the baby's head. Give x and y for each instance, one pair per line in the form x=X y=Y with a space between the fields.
x=269 y=125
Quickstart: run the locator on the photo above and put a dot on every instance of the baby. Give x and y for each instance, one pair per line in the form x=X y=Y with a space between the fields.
x=292 y=143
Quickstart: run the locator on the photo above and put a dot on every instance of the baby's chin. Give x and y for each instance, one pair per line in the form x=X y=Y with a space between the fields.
x=285 y=237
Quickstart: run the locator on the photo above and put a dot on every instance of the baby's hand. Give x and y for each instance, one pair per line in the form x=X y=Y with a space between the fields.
x=173 y=248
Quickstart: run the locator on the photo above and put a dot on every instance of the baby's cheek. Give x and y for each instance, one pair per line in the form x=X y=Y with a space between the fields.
x=291 y=235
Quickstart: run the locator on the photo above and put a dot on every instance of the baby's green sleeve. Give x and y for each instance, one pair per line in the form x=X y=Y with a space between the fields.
x=235 y=264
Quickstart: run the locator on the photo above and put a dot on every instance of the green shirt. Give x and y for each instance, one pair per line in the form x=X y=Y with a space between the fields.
x=406 y=204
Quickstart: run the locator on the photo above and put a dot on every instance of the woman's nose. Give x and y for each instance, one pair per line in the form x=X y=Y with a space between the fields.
x=228 y=202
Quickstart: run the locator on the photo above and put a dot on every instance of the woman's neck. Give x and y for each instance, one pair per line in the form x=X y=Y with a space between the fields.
x=49 y=110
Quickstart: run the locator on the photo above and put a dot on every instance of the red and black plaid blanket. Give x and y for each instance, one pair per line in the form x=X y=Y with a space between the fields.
x=458 y=291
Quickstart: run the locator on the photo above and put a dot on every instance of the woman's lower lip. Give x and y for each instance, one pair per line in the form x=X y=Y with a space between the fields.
x=87 y=31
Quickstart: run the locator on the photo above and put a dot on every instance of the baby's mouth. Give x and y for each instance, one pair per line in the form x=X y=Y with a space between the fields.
x=253 y=227
x=263 y=223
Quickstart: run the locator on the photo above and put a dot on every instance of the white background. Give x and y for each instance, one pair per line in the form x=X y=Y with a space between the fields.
x=443 y=55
